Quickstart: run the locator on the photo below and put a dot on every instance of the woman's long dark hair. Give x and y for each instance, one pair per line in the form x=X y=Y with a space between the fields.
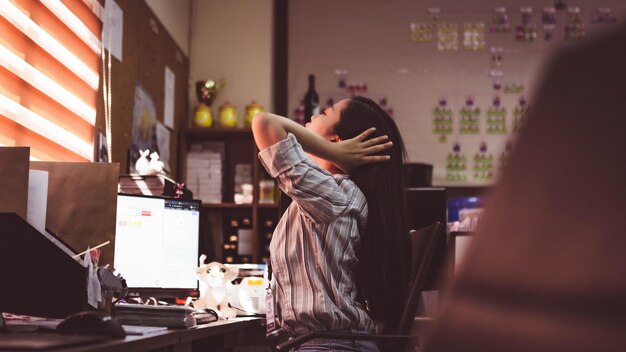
x=383 y=271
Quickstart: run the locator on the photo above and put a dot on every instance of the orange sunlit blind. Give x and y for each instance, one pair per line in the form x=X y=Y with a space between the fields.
x=49 y=59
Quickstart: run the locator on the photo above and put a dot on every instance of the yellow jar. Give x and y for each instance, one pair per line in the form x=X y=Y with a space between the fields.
x=251 y=110
x=227 y=116
x=203 y=117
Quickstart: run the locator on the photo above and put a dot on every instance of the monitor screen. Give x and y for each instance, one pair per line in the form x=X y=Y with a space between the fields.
x=156 y=241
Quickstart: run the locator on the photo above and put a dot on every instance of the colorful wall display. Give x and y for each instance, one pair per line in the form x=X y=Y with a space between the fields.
x=459 y=78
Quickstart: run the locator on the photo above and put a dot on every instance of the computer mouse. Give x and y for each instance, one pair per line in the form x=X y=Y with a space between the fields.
x=91 y=323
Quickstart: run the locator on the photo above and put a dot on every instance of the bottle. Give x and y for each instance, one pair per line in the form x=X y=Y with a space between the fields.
x=231 y=239
x=311 y=101
x=246 y=240
x=298 y=113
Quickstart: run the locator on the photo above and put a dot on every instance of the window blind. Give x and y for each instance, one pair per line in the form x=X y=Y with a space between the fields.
x=49 y=77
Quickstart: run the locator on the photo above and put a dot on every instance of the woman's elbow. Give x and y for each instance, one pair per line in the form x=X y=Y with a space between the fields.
x=260 y=122
x=267 y=129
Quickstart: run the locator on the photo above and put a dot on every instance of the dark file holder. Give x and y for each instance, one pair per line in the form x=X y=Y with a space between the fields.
x=38 y=278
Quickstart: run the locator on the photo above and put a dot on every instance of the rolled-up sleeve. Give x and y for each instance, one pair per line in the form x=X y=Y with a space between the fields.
x=314 y=190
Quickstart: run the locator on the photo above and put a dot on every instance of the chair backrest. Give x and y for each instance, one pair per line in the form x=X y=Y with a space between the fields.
x=423 y=244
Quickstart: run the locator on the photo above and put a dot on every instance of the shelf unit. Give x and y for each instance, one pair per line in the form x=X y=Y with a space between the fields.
x=239 y=148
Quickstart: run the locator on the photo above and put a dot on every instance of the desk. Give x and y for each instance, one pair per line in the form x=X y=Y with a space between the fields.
x=221 y=335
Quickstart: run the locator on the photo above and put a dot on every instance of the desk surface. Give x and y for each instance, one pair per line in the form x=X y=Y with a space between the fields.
x=171 y=339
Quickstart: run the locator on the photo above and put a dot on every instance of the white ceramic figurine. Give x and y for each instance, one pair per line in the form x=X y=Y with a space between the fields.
x=215 y=276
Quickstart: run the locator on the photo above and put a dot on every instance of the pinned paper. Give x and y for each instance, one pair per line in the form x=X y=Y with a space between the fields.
x=168 y=108
x=163 y=136
x=113 y=28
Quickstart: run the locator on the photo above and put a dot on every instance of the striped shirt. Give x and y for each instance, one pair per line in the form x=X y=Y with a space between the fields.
x=313 y=248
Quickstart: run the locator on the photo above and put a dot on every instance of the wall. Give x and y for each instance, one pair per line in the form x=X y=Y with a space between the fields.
x=371 y=39
x=233 y=40
x=175 y=17
x=224 y=39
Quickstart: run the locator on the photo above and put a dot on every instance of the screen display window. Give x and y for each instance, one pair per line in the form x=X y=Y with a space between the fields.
x=156 y=241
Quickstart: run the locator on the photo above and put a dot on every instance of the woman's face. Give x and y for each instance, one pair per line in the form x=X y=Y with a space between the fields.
x=324 y=123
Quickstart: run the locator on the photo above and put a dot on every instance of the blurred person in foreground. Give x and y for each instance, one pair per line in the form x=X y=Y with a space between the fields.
x=547 y=268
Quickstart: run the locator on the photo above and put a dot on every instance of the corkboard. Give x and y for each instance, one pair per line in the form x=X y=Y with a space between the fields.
x=147 y=49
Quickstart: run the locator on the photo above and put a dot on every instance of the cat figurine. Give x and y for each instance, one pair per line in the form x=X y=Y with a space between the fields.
x=215 y=276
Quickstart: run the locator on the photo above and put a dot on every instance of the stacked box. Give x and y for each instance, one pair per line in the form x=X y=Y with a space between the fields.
x=243 y=174
x=204 y=171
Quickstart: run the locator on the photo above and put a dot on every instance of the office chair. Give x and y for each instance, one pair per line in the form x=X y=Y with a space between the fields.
x=422 y=248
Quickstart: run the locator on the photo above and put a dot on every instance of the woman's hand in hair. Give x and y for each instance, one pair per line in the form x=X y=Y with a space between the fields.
x=359 y=150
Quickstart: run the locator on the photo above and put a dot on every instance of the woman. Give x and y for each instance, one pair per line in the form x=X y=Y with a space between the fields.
x=339 y=252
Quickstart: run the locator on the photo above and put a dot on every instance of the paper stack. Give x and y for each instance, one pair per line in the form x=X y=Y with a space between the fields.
x=148 y=315
x=204 y=171
x=171 y=316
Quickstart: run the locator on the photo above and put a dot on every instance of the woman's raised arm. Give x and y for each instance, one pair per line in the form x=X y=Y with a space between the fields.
x=268 y=129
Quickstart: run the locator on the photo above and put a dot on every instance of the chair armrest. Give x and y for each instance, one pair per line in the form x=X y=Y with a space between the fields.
x=297 y=341
x=425 y=319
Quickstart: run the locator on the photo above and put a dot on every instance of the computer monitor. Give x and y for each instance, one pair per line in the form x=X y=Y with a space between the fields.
x=157 y=244
x=426 y=206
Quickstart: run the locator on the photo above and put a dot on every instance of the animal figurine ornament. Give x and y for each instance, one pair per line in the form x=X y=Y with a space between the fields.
x=156 y=164
x=142 y=165
x=215 y=276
